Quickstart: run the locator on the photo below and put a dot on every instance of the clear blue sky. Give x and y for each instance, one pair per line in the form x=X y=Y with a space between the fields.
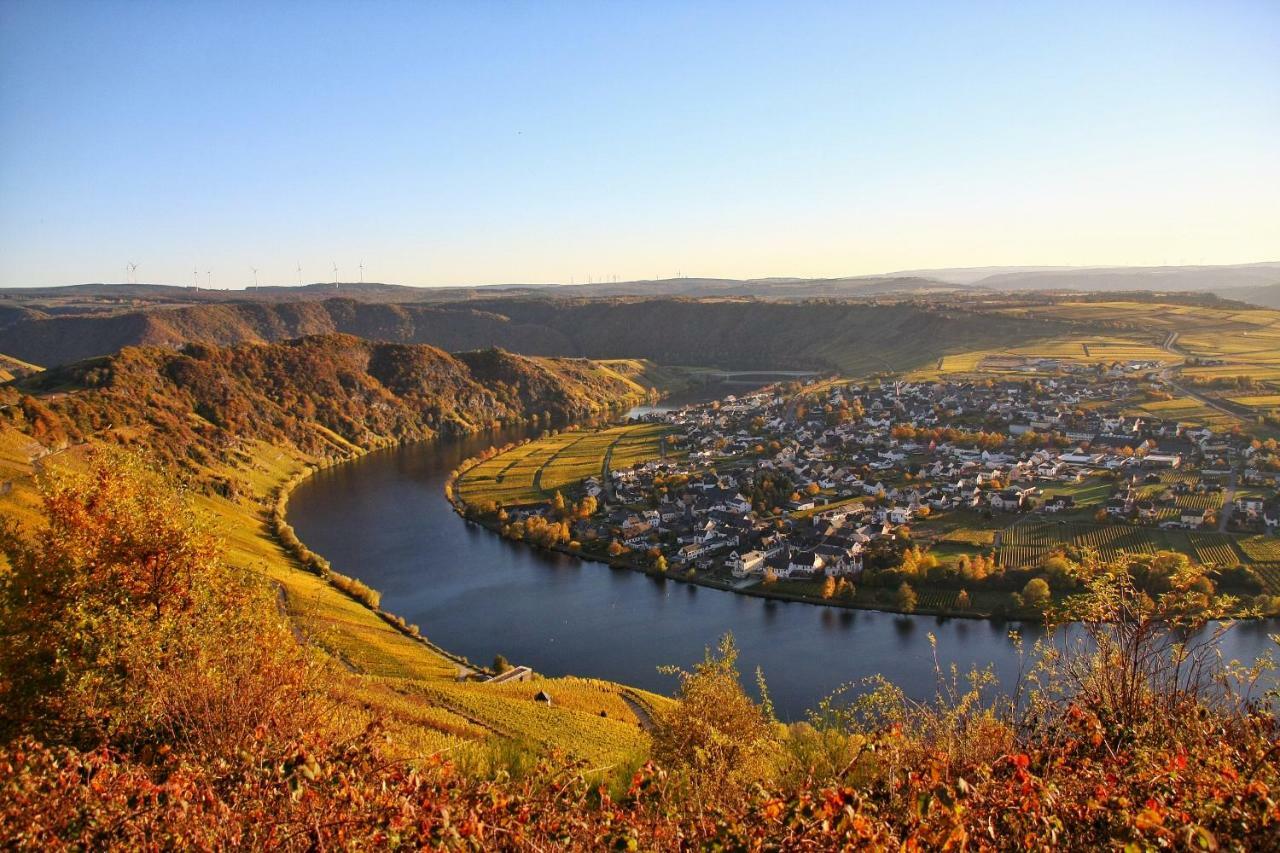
x=472 y=142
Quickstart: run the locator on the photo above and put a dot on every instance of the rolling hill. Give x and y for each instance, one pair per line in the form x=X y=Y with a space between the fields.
x=850 y=336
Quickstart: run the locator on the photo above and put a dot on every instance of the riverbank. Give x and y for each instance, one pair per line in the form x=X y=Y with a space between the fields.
x=284 y=536
x=761 y=590
x=352 y=587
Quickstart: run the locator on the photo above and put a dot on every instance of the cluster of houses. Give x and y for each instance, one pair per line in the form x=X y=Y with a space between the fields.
x=864 y=460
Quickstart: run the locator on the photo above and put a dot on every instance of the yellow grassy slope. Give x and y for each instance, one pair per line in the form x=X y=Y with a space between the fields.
x=390 y=676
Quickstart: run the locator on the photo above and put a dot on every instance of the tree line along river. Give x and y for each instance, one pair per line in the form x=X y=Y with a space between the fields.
x=384 y=518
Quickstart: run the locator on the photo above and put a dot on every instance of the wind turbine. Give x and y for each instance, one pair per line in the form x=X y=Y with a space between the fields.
x=255 y=277
x=362 y=270
x=208 y=279
x=195 y=277
x=133 y=271
x=299 y=273
x=335 y=275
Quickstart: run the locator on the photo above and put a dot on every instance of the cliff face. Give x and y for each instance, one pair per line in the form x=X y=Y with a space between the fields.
x=849 y=336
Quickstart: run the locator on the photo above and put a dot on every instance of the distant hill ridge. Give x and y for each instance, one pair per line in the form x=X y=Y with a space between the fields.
x=1232 y=280
x=837 y=335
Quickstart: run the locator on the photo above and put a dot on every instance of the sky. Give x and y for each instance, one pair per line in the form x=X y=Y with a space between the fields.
x=451 y=143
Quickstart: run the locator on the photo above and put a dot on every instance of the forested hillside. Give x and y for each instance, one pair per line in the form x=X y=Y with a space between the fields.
x=321 y=395
x=850 y=336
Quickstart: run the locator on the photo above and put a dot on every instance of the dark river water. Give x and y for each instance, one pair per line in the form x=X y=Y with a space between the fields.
x=384 y=519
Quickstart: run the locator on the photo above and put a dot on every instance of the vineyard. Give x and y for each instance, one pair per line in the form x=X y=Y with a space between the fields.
x=937 y=599
x=572 y=721
x=1213 y=548
x=1028 y=543
x=1265 y=549
x=1269 y=574
x=639 y=444
x=533 y=472
x=1200 y=501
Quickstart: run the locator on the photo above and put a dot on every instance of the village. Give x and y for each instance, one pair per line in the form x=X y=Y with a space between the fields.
x=819 y=483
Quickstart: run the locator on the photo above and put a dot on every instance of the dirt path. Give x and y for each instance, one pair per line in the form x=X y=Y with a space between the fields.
x=642 y=713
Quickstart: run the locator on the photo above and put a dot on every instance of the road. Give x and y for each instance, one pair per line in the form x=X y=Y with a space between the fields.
x=1228 y=503
x=1166 y=375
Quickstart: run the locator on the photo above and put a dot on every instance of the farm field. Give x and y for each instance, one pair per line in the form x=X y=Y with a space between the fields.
x=1026 y=360
x=1186 y=410
x=1027 y=543
x=1261 y=549
x=1269 y=574
x=533 y=472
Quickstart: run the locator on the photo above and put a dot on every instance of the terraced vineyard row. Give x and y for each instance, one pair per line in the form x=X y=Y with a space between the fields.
x=1213 y=548
x=638 y=444
x=1206 y=500
x=938 y=599
x=1269 y=574
x=1027 y=543
x=535 y=471
x=1261 y=548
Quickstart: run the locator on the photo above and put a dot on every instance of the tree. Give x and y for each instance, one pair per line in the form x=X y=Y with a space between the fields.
x=615 y=548
x=660 y=563
x=122 y=624
x=714 y=733
x=500 y=664
x=829 y=587
x=962 y=600
x=906 y=598
x=1036 y=593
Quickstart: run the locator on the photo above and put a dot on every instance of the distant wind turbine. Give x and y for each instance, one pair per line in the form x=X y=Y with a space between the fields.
x=255 y=277
x=195 y=277
x=208 y=279
x=335 y=275
x=132 y=274
x=299 y=273
x=362 y=270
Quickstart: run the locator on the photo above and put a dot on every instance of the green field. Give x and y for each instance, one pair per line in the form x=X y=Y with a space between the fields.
x=534 y=472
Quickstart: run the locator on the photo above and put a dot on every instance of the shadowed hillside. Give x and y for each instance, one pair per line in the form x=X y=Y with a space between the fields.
x=849 y=336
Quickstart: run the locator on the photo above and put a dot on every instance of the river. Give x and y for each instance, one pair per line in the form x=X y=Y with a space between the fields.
x=384 y=519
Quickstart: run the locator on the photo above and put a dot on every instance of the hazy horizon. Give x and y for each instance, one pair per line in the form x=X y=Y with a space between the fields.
x=923 y=273
x=466 y=144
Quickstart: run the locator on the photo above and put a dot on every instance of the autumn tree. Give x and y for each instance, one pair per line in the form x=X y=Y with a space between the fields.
x=123 y=624
x=714 y=734
x=1036 y=593
x=906 y=599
